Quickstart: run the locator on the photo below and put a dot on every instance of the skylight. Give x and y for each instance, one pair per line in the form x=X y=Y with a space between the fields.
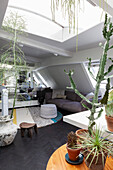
x=37 y=14
x=110 y=2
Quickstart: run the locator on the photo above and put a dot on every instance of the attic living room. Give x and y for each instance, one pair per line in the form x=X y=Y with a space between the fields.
x=56 y=69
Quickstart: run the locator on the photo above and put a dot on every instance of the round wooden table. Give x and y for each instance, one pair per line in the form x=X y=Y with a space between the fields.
x=57 y=162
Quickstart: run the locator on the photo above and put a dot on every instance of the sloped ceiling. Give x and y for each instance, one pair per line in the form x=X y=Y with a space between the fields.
x=37 y=48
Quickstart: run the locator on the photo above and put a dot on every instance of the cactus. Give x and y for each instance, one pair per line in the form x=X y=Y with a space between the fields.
x=72 y=140
x=101 y=75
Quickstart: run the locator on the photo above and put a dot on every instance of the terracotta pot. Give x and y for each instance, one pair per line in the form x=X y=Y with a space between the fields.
x=81 y=135
x=73 y=153
x=109 y=120
x=95 y=165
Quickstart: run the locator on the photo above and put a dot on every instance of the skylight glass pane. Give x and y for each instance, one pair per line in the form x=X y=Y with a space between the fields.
x=36 y=24
x=110 y=2
x=37 y=14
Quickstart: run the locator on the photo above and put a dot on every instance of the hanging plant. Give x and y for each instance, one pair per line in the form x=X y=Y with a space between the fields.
x=69 y=8
x=72 y=8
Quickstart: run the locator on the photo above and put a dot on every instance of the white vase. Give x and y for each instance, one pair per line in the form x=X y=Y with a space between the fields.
x=8 y=130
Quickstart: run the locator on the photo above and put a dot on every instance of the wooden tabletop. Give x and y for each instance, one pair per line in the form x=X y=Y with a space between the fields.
x=57 y=162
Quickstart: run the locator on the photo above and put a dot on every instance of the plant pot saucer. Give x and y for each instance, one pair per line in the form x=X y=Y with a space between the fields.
x=77 y=162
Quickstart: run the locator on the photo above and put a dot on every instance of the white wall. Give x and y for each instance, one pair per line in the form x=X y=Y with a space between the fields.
x=54 y=69
x=58 y=79
x=48 y=78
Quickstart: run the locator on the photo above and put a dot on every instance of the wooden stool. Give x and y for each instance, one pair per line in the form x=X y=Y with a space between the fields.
x=29 y=127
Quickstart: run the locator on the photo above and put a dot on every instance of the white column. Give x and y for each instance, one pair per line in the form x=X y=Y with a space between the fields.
x=31 y=83
x=4 y=102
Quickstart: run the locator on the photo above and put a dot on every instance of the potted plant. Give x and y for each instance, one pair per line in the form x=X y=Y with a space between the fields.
x=12 y=60
x=101 y=75
x=96 y=148
x=72 y=148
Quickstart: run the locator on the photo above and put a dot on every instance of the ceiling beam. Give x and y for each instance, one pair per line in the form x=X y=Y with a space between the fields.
x=31 y=59
x=39 y=45
x=3 y=7
x=104 y=5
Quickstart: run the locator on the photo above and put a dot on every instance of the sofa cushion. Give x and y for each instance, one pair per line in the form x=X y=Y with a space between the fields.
x=56 y=93
x=72 y=106
x=84 y=102
x=59 y=96
x=71 y=95
x=48 y=95
x=78 y=98
x=90 y=95
x=58 y=102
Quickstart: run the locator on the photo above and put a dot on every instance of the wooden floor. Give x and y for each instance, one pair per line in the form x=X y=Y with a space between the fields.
x=33 y=154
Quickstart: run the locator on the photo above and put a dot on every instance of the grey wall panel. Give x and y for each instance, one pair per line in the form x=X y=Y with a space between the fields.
x=57 y=78
x=79 y=77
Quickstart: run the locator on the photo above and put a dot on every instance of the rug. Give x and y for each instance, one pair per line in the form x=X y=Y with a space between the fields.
x=31 y=115
x=41 y=122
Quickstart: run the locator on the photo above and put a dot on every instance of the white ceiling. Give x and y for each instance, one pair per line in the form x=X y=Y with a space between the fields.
x=37 y=48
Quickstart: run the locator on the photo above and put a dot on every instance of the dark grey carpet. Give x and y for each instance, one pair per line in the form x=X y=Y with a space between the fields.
x=33 y=154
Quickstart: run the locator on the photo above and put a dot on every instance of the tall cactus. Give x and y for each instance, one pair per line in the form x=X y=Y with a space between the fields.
x=101 y=75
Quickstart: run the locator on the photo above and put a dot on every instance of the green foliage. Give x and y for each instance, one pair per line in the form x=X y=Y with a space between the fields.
x=97 y=144
x=12 y=54
x=105 y=97
x=109 y=109
x=14 y=22
x=101 y=75
x=109 y=106
x=72 y=140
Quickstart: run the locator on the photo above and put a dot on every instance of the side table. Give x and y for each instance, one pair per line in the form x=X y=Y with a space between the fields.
x=57 y=162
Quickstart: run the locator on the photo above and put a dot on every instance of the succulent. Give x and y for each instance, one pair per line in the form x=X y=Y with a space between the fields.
x=96 y=145
x=72 y=140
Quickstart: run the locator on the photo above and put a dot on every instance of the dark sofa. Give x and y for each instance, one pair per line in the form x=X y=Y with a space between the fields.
x=72 y=103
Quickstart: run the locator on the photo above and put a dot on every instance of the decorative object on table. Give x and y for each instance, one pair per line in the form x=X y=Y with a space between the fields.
x=93 y=145
x=11 y=61
x=73 y=151
x=28 y=126
x=109 y=112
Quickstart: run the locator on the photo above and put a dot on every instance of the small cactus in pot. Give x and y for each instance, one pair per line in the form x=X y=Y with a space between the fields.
x=72 y=148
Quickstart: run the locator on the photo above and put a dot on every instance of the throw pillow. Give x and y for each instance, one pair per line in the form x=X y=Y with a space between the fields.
x=59 y=96
x=90 y=95
x=57 y=92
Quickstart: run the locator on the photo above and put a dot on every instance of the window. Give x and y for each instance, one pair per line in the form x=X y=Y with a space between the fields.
x=94 y=70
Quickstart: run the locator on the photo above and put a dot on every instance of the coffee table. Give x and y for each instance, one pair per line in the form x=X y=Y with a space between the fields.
x=80 y=120
x=57 y=162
